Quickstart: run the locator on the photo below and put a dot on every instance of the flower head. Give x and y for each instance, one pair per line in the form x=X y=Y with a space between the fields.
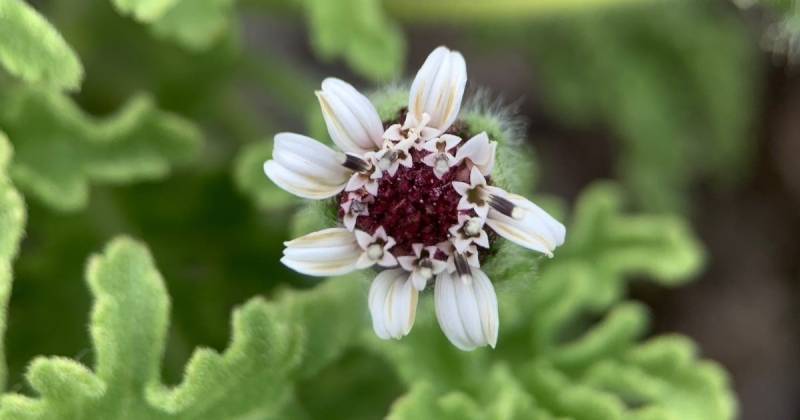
x=416 y=201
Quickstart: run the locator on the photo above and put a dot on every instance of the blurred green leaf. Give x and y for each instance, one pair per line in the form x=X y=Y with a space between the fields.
x=359 y=32
x=60 y=149
x=675 y=81
x=12 y=225
x=31 y=49
x=195 y=24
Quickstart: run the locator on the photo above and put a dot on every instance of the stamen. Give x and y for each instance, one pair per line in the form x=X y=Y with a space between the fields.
x=387 y=159
x=505 y=206
x=357 y=207
x=472 y=227
x=441 y=164
x=375 y=251
x=462 y=268
x=426 y=269
x=355 y=163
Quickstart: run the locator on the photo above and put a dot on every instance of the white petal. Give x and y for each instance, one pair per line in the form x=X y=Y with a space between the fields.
x=352 y=121
x=298 y=184
x=364 y=239
x=439 y=87
x=407 y=262
x=329 y=252
x=486 y=299
x=392 y=304
x=461 y=187
x=476 y=177
x=535 y=229
x=467 y=311
x=418 y=280
x=349 y=221
x=447 y=312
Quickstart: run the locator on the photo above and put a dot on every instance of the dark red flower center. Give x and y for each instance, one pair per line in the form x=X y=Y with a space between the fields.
x=414 y=205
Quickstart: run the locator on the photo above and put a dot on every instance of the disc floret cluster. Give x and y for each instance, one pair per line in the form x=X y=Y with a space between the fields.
x=415 y=201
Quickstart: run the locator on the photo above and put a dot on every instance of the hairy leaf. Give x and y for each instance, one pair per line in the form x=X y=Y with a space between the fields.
x=371 y=44
x=31 y=49
x=60 y=149
x=273 y=345
x=12 y=225
x=195 y=24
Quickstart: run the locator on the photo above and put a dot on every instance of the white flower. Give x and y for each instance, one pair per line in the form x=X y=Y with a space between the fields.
x=414 y=130
x=440 y=158
x=392 y=304
x=393 y=155
x=511 y=216
x=423 y=265
x=468 y=231
x=309 y=169
x=376 y=249
x=356 y=204
x=467 y=310
x=410 y=195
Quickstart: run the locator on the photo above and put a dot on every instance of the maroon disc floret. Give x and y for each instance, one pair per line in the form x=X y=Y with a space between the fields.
x=415 y=206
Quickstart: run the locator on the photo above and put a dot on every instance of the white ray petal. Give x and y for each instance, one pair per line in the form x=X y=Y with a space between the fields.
x=392 y=304
x=467 y=311
x=447 y=313
x=480 y=151
x=305 y=167
x=329 y=252
x=535 y=229
x=438 y=88
x=352 y=121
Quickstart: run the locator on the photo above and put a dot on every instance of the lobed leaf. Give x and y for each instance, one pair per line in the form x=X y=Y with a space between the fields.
x=61 y=149
x=34 y=51
x=372 y=44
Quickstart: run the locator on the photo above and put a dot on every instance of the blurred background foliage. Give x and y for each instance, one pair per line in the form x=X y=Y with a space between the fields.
x=152 y=118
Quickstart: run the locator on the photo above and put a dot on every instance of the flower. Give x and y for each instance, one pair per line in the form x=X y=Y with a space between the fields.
x=416 y=202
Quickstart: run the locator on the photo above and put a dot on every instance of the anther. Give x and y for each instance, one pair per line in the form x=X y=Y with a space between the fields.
x=442 y=164
x=473 y=226
x=375 y=251
x=387 y=159
x=355 y=163
x=505 y=206
x=357 y=207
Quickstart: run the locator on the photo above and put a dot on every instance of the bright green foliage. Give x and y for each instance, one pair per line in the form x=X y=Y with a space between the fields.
x=31 y=49
x=671 y=80
x=12 y=224
x=145 y=10
x=195 y=24
x=273 y=344
x=60 y=149
x=359 y=32
x=565 y=367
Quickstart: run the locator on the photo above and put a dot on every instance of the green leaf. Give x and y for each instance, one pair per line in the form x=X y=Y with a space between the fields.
x=61 y=149
x=614 y=245
x=195 y=24
x=658 y=77
x=422 y=402
x=12 y=225
x=371 y=44
x=31 y=49
x=253 y=378
x=144 y=10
